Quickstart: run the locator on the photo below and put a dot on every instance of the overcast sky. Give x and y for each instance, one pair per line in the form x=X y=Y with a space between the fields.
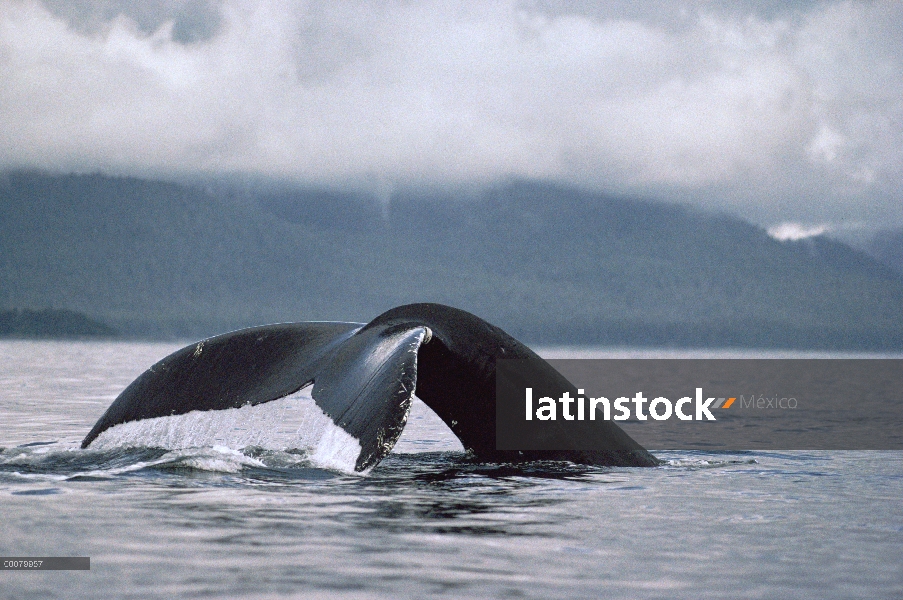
x=780 y=112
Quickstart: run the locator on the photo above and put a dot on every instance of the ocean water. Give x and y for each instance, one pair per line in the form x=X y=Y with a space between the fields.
x=236 y=506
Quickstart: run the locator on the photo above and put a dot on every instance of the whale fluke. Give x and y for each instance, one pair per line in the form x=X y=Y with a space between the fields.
x=364 y=378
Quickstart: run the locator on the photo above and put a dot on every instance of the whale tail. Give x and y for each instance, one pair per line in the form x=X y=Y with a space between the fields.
x=364 y=378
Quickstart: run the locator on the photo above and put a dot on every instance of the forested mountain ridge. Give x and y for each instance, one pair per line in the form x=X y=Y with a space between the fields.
x=548 y=263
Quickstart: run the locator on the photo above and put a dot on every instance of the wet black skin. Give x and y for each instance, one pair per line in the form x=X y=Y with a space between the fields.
x=362 y=379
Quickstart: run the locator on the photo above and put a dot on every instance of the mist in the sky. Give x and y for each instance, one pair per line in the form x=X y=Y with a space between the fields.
x=779 y=112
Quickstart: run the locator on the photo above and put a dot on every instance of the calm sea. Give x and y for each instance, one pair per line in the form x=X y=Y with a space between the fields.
x=230 y=509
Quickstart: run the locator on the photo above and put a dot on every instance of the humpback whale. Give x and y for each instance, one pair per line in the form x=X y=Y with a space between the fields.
x=364 y=378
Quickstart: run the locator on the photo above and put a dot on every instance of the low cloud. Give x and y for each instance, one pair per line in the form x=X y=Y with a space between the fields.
x=775 y=112
x=796 y=231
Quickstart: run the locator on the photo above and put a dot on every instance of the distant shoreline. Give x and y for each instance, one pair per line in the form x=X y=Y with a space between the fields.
x=50 y=323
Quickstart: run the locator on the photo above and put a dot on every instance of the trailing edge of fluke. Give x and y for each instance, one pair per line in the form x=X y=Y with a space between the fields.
x=364 y=378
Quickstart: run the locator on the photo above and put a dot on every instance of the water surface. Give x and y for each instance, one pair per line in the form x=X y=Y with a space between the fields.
x=256 y=520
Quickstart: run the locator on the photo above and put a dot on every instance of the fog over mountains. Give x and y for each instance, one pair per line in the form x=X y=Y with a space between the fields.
x=550 y=264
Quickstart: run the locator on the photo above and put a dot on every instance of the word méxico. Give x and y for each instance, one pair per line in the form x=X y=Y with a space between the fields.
x=660 y=408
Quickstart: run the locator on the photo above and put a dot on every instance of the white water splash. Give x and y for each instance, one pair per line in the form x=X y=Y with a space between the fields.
x=219 y=459
x=291 y=423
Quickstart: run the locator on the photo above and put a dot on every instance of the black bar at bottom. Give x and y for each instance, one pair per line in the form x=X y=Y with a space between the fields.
x=45 y=563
